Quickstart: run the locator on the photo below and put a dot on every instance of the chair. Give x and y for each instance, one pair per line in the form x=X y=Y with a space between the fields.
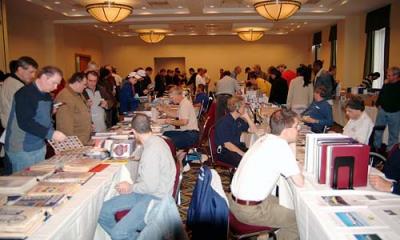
x=239 y=230
x=177 y=183
x=377 y=158
x=213 y=152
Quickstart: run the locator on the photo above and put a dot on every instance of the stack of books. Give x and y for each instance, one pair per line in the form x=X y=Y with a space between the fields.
x=336 y=160
x=19 y=222
x=38 y=174
x=11 y=185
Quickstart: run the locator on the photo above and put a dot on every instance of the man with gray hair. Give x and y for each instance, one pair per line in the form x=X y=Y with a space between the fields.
x=156 y=177
x=236 y=71
x=389 y=109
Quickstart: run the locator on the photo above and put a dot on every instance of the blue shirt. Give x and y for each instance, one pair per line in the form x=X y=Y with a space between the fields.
x=229 y=130
x=202 y=98
x=30 y=121
x=127 y=100
x=321 y=111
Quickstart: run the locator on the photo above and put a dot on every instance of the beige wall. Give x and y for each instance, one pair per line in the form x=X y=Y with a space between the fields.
x=48 y=43
x=212 y=52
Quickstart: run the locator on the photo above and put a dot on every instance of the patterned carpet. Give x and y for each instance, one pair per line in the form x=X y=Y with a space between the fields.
x=188 y=183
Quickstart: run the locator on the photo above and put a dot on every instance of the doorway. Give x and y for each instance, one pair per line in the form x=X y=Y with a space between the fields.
x=81 y=62
x=169 y=63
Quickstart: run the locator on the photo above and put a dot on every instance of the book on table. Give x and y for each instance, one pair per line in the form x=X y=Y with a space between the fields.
x=80 y=165
x=47 y=203
x=19 y=222
x=70 y=177
x=38 y=174
x=11 y=185
x=48 y=188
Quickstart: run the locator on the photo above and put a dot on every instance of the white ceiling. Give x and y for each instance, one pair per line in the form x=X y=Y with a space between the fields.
x=203 y=17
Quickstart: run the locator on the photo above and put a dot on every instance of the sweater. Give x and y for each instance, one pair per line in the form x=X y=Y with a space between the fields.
x=30 y=121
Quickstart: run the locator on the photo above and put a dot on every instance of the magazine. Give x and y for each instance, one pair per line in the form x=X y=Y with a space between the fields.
x=47 y=189
x=19 y=221
x=40 y=175
x=47 y=203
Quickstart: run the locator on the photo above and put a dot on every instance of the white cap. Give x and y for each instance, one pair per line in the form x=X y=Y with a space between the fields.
x=135 y=75
x=141 y=73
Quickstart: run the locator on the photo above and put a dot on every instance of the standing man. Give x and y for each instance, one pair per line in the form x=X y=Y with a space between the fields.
x=236 y=71
x=259 y=170
x=156 y=179
x=99 y=100
x=226 y=88
x=389 y=109
x=201 y=77
x=323 y=78
x=73 y=118
x=30 y=121
x=160 y=83
x=24 y=74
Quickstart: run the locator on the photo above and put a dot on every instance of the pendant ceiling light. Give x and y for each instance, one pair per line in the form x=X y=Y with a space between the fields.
x=277 y=9
x=109 y=12
x=250 y=35
x=152 y=35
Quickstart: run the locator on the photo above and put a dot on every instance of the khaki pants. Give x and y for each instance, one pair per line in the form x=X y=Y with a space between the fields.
x=267 y=213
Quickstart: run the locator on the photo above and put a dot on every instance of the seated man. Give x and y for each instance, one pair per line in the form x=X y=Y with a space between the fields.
x=188 y=134
x=156 y=177
x=228 y=131
x=258 y=172
x=359 y=125
x=392 y=171
x=319 y=114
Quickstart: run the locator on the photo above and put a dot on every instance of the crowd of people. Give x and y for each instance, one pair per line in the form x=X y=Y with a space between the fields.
x=32 y=98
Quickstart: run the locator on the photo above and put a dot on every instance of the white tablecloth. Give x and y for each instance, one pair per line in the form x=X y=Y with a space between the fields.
x=77 y=218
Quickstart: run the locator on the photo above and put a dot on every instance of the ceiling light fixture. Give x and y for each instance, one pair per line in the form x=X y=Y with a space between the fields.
x=250 y=35
x=152 y=35
x=109 y=12
x=276 y=10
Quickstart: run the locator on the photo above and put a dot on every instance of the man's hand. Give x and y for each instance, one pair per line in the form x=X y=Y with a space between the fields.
x=124 y=187
x=58 y=136
x=380 y=184
x=309 y=119
x=103 y=104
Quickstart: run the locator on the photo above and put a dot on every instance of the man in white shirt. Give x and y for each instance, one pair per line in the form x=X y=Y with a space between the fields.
x=200 y=77
x=269 y=158
x=185 y=118
x=360 y=124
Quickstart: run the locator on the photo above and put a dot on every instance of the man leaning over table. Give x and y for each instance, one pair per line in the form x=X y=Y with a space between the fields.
x=30 y=121
x=156 y=176
x=259 y=170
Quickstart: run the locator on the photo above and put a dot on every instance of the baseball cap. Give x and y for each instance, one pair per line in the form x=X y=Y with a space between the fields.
x=141 y=73
x=134 y=74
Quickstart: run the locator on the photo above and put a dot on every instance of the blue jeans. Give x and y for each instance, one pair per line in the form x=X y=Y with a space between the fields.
x=392 y=120
x=183 y=139
x=128 y=227
x=21 y=160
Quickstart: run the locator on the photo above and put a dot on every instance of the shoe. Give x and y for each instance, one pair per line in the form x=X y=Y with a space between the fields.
x=186 y=168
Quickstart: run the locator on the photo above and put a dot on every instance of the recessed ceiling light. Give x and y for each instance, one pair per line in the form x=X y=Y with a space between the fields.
x=321 y=6
x=248 y=5
x=305 y=23
x=292 y=24
x=96 y=26
x=180 y=6
x=29 y=0
x=144 y=7
x=57 y=2
x=73 y=9
x=110 y=26
x=48 y=7
x=298 y=26
x=211 y=6
x=292 y=29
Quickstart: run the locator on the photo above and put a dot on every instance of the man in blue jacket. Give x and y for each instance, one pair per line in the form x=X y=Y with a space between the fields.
x=30 y=121
x=319 y=114
x=127 y=100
